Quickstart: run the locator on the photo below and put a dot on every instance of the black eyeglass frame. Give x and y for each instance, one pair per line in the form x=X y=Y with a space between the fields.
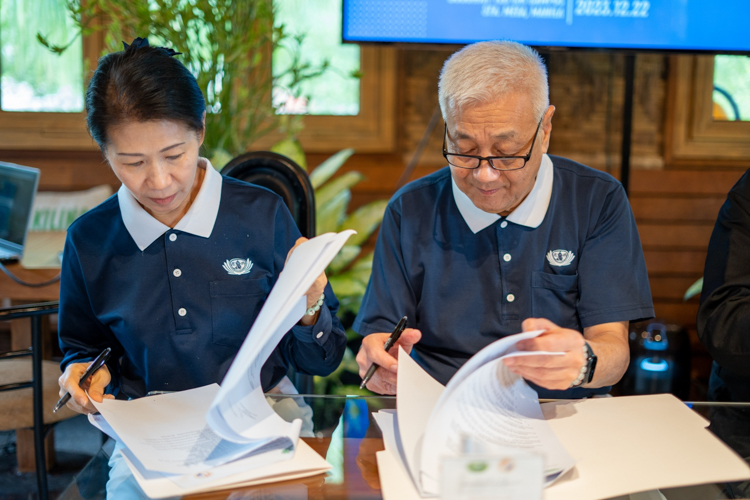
x=489 y=159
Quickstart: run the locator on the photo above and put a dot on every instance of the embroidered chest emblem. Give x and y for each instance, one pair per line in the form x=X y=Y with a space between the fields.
x=560 y=257
x=237 y=266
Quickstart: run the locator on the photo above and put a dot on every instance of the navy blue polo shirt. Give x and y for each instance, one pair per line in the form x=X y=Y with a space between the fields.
x=465 y=278
x=176 y=304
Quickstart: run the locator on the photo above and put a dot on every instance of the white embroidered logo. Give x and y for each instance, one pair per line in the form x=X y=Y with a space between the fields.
x=237 y=266
x=560 y=257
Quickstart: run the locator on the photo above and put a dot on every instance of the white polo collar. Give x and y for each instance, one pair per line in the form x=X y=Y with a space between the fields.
x=199 y=219
x=529 y=213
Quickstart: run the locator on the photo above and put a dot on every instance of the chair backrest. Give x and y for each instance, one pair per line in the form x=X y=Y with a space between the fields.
x=282 y=176
x=287 y=179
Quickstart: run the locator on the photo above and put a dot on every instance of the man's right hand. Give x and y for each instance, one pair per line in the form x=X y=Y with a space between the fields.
x=95 y=386
x=373 y=351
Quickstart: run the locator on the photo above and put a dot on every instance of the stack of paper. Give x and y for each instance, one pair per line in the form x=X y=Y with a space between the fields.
x=484 y=401
x=594 y=449
x=212 y=437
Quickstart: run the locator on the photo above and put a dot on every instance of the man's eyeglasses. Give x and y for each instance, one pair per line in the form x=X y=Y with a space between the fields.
x=496 y=162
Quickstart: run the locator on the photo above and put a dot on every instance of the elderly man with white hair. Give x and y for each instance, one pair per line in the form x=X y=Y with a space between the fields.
x=506 y=239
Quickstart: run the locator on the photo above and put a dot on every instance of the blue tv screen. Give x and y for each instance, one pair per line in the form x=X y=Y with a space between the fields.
x=683 y=25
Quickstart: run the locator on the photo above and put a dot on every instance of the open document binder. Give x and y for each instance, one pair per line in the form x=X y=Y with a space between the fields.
x=593 y=449
x=219 y=436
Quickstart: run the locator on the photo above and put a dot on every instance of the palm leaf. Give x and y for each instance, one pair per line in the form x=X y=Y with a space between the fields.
x=347 y=254
x=346 y=285
x=325 y=170
x=365 y=220
x=364 y=263
x=292 y=149
x=329 y=216
x=326 y=193
x=695 y=289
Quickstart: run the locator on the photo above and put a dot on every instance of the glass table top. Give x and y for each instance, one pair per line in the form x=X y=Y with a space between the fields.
x=342 y=430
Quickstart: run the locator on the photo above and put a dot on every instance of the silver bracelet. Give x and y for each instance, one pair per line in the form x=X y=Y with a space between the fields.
x=316 y=307
x=584 y=369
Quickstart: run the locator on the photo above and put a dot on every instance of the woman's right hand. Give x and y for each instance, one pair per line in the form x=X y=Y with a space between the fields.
x=95 y=386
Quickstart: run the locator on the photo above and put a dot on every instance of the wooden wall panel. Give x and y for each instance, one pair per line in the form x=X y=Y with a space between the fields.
x=65 y=170
x=662 y=209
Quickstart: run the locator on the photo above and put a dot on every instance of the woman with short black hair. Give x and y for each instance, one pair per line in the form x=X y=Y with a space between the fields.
x=172 y=271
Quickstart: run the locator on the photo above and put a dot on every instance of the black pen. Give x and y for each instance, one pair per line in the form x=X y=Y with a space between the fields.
x=388 y=344
x=93 y=368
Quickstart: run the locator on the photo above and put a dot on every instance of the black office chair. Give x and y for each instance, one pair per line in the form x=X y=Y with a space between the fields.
x=282 y=176
x=287 y=179
x=43 y=384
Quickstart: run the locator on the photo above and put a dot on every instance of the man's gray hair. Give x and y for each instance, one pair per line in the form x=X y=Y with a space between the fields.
x=485 y=71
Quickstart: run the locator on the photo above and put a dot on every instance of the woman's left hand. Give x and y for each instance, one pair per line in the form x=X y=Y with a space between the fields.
x=314 y=292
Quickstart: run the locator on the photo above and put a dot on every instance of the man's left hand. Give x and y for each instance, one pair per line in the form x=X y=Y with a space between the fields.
x=551 y=372
x=314 y=292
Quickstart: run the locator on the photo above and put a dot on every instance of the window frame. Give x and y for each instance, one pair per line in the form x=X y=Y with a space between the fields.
x=370 y=131
x=20 y=130
x=692 y=135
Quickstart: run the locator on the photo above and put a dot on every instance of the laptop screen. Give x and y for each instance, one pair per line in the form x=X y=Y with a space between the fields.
x=17 y=189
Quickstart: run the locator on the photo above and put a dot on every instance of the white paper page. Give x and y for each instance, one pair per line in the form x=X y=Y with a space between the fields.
x=497 y=410
x=416 y=397
x=386 y=420
x=612 y=438
x=395 y=482
x=168 y=433
x=305 y=462
x=305 y=264
x=420 y=397
x=261 y=457
x=501 y=347
x=232 y=414
x=98 y=421
x=242 y=408
x=388 y=423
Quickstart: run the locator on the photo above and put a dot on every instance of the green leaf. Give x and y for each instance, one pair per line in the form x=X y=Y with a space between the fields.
x=325 y=170
x=219 y=158
x=365 y=220
x=363 y=263
x=292 y=149
x=326 y=193
x=347 y=254
x=328 y=218
x=345 y=286
x=362 y=274
x=691 y=292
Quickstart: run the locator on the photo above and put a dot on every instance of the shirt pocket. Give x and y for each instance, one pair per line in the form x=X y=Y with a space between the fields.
x=555 y=297
x=234 y=306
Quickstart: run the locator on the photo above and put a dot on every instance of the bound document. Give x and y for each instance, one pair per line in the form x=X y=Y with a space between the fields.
x=216 y=436
x=593 y=449
x=484 y=402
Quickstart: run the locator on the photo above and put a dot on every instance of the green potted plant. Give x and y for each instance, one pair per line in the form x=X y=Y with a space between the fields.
x=227 y=45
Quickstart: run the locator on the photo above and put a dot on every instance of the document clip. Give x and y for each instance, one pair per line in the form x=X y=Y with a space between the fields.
x=485 y=473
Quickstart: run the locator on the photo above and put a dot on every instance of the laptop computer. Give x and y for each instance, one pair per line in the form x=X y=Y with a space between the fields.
x=18 y=185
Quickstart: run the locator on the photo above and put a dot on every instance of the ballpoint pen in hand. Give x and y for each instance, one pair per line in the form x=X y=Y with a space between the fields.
x=93 y=368
x=388 y=344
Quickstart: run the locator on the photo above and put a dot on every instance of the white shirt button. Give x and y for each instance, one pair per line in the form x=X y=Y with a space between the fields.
x=177 y=273
x=182 y=311
x=504 y=224
x=172 y=237
x=320 y=334
x=511 y=297
x=506 y=257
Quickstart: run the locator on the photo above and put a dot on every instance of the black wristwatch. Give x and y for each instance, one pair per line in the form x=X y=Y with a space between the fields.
x=587 y=371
